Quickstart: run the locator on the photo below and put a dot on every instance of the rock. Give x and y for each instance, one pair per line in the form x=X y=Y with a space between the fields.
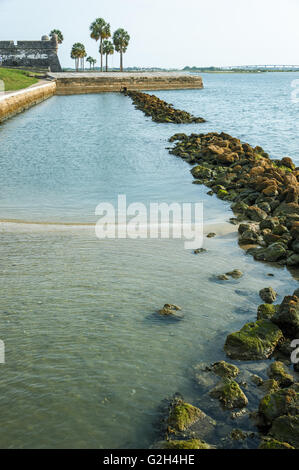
x=269 y=223
x=254 y=341
x=238 y=435
x=222 y=277
x=286 y=429
x=287 y=316
x=255 y=213
x=270 y=386
x=229 y=394
x=274 y=252
x=279 y=372
x=250 y=237
x=175 y=444
x=211 y=235
x=201 y=172
x=225 y=370
x=239 y=414
x=160 y=111
x=185 y=419
x=266 y=311
x=236 y=274
x=268 y=295
x=268 y=443
x=170 y=310
x=199 y=251
x=293 y=260
x=257 y=380
x=282 y=402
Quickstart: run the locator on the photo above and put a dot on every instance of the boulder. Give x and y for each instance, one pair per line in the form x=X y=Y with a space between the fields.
x=287 y=316
x=286 y=429
x=236 y=274
x=230 y=395
x=275 y=252
x=170 y=310
x=266 y=311
x=282 y=402
x=256 y=214
x=279 y=372
x=225 y=370
x=268 y=295
x=186 y=420
x=269 y=443
x=254 y=341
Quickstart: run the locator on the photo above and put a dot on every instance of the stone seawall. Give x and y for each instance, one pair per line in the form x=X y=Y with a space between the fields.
x=16 y=102
x=80 y=83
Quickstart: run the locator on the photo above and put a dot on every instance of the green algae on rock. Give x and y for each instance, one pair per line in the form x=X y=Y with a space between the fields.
x=159 y=110
x=263 y=191
x=286 y=429
x=287 y=316
x=266 y=311
x=186 y=421
x=279 y=372
x=225 y=370
x=282 y=402
x=268 y=443
x=180 y=444
x=254 y=341
x=229 y=393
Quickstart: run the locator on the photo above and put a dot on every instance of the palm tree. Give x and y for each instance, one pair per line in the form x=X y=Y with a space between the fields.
x=100 y=30
x=108 y=49
x=121 y=41
x=90 y=60
x=59 y=35
x=78 y=53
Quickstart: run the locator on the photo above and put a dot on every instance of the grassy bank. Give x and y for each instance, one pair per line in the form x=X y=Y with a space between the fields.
x=16 y=79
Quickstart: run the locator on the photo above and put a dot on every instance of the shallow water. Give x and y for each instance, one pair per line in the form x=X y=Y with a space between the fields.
x=87 y=360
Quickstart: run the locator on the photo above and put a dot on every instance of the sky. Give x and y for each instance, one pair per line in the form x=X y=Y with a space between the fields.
x=166 y=33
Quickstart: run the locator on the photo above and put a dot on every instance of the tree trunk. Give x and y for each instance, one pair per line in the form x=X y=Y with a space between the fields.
x=106 y=62
x=121 y=61
x=101 y=49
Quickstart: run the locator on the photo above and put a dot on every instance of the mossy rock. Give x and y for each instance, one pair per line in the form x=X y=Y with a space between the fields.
x=222 y=194
x=189 y=444
x=187 y=421
x=201 y=172
x=266 y=311
x=270 y=386
x=286 y=429
x=282 y=402
x=268 y=443
x=225 y=370
x=279 y=372
x=254 y=341
x=229 y=394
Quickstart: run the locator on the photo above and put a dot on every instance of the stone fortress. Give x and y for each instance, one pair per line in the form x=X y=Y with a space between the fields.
x=37 y=54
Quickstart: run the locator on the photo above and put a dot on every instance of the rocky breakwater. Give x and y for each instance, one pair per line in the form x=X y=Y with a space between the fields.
x=159 y=110
x=16 y=102
x=263 y=192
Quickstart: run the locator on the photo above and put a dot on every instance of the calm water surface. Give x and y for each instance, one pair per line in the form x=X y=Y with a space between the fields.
x=87 y=360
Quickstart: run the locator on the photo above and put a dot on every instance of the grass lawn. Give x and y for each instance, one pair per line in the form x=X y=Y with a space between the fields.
x=16 y=79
